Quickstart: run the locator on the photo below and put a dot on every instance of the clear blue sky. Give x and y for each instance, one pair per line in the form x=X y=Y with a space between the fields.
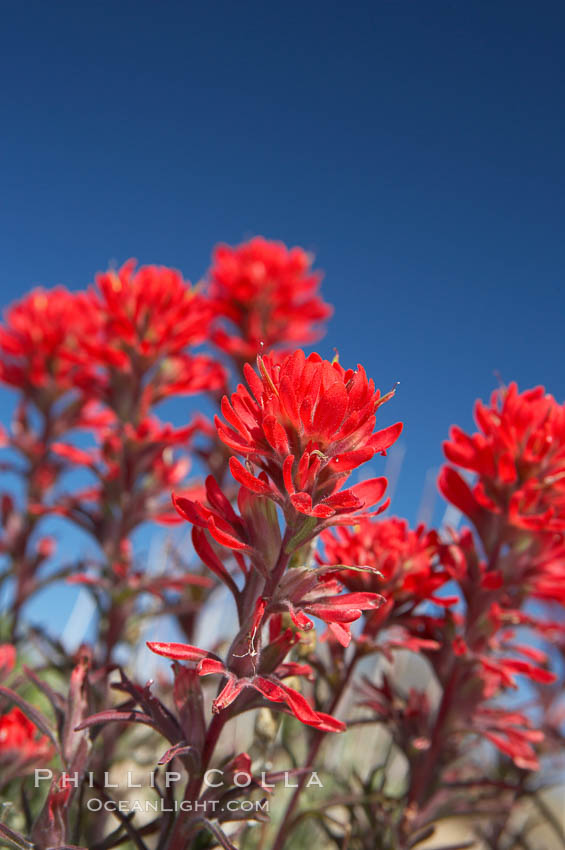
x=415 y=147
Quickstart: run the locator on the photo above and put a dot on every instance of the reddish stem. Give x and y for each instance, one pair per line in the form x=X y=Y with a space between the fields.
x=178 y=839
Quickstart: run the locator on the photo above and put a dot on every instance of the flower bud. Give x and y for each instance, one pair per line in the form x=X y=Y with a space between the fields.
x=267 y=724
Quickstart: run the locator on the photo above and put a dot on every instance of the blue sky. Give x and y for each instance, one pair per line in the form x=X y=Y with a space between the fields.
x=416 y=148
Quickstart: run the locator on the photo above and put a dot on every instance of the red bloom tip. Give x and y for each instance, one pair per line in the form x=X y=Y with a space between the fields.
x=383 y=440
x=457 y=491
x=268 y=295
x=40 y=339
x=177 y=651
x=306 y=423
x=151 y=308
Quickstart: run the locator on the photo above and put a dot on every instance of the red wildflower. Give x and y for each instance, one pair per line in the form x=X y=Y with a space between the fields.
x=151 y=310
x=19 y=741
x=307 y=423
x=269 y=296
x=403 y=560
x=519 y=457
x=148 y=317
x=400 y=563
x=40 y=338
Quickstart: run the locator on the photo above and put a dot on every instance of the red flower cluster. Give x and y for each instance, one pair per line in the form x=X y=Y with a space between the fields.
x=269 y=296
x=121 y=347
x=401 y=563
x=20 y=745
x=128 y=336
x=519 y=458
x=146 y=319
x=40 y=339
x=150 y=312
x=404 y=559
x=91 y=369
x=307 y=423
x=517 y=502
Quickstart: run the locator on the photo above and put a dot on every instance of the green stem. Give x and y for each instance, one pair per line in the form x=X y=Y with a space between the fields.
x=286 y=823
